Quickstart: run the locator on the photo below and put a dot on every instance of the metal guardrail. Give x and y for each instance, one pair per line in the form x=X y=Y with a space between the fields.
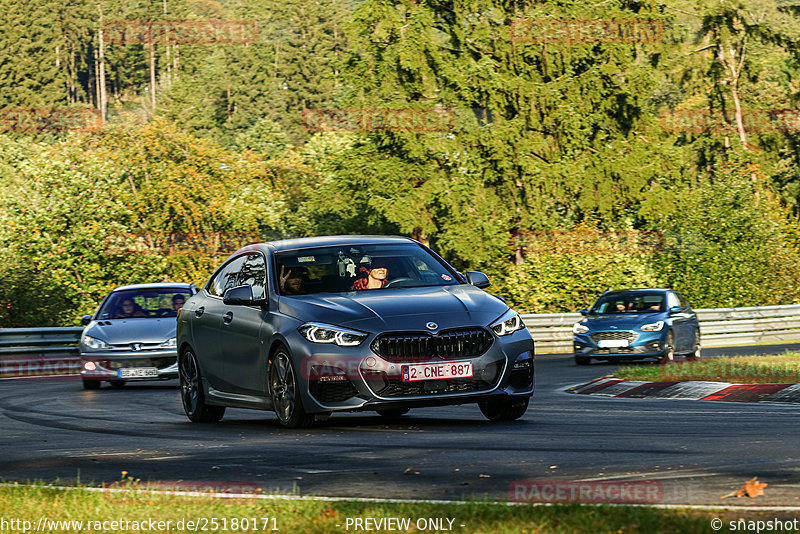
x=51 y=351
x=44 y=351
x=552 y=332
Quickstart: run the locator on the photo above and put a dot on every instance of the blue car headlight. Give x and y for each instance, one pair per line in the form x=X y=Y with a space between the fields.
x=508 y=323
x=652 y=327
x=327 y=333
x=579 y=328
x=94 y=343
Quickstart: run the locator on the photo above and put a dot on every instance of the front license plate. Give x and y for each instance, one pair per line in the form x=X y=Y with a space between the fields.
x=613 y=343
x=436 y=371
x=138 y=372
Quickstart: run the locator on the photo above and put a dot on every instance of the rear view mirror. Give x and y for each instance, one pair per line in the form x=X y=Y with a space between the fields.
x=584 y=312
x=477 y=279
x=86 y=319
x=675 y=309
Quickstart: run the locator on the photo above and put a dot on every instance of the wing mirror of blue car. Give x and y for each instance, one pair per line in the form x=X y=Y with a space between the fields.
x=584 y=312
x=477 y=279
x=86 y=319
x=675 y=309
x=241 y=296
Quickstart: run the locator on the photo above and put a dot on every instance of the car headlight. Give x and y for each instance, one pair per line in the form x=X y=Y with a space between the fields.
x=579 y=328
x=507 y=324
x=326 y=333
x=652 y=327
x=171 y=343
x=94 y=343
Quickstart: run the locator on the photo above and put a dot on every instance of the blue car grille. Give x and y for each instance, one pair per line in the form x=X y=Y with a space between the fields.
x=614 y=334
x=422 y=346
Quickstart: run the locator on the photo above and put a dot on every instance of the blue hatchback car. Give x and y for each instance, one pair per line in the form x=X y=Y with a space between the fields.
x=634 y=324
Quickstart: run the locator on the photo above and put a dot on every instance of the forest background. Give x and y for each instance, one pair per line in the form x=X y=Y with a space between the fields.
x=582 y=146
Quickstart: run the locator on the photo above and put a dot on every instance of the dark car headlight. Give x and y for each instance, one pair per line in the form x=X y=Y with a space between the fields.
x=652 y=327
x=94 y=343
x=507 y=324
x=326 y=333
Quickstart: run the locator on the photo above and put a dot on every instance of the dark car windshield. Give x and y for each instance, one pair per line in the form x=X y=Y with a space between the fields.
x=140 y=303
x=632 y=302
x=356 y=268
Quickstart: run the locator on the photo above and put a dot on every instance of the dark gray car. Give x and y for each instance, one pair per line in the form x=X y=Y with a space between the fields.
x=308 y=327
x=131 y=336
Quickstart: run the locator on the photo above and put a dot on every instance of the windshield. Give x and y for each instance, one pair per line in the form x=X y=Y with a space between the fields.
x=359 y=268
x=132 y=303
x=628 y=303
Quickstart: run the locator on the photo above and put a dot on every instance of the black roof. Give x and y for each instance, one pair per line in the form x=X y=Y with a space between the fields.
x=637 y=290
x=325 y=241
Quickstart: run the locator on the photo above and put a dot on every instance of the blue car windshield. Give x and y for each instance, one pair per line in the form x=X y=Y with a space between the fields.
x=633 y=302
x=359 y=268
x=139 y=303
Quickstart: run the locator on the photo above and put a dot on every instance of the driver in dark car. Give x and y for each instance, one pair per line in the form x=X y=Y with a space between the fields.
x=376 y=276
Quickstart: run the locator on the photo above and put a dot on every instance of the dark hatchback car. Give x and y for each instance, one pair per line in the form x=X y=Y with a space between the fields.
x=308 y=327
x=636 y=324
x=131 y=336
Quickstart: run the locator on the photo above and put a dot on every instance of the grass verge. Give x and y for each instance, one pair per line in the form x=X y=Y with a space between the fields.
x=136 y=510
x=783 y=368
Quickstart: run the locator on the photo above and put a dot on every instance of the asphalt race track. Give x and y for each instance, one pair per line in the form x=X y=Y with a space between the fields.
x=54 y=431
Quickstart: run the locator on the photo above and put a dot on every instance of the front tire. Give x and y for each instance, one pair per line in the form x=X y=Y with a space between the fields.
x=582 y=360
x=285 y=392
x=192 y=396
x=695 y=354
x=507 y=409
x=91 y=384
x=669 y=349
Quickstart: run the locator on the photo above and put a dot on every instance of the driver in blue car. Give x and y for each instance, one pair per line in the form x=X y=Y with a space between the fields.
x=376 y=276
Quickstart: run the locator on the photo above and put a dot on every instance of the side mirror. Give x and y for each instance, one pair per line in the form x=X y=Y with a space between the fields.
x=239 y=296
x=584 y=312
x=86 y=319
x=477 y=279
x=675 y=309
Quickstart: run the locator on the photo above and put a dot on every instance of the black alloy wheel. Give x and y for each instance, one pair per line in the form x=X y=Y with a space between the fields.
x=285 y=391
x=194 y=403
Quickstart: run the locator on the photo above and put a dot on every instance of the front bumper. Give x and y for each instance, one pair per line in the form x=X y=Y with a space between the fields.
x=356 y=378
x=646 y=345
x=107 y=364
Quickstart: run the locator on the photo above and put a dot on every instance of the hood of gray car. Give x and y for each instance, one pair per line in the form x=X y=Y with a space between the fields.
x=136 y=330
x=398 y=309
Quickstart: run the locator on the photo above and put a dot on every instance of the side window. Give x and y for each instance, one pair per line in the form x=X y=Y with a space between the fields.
x=253 y=273
x=227 y=277
x=672 y=300
x=684 y=302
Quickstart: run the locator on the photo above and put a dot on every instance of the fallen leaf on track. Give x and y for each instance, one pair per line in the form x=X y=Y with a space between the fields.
x=752 y=488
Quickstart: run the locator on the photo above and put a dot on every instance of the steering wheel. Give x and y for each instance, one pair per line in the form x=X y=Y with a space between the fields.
x=396 y=280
